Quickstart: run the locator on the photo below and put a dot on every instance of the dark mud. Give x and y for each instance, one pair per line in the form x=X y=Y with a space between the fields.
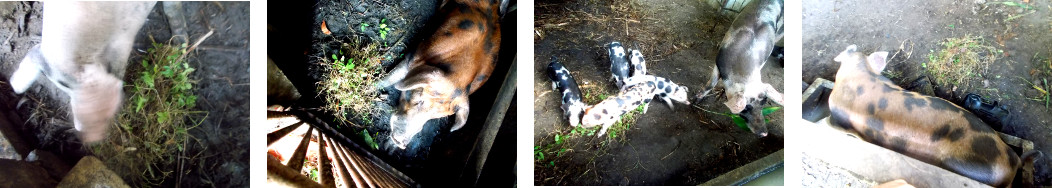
x=222 y=88
x=435 y=156
x=680 y=146
x=830 y=26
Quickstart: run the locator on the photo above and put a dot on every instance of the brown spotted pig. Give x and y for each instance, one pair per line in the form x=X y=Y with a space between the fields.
x=926 y=128
x=454 y=62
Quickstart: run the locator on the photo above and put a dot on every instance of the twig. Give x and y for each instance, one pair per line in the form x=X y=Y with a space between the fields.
x=202 y=39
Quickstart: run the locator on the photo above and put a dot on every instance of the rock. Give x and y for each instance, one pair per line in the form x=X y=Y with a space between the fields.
x=23 y=174
x=90 y=172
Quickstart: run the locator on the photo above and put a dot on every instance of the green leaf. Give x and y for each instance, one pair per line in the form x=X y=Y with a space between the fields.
x=740 y=122
x=162 y=117
x=334 y=57
x=369 y=140
x=144 y=63
x=770 y=110
x=139 y=101
x=363 y=26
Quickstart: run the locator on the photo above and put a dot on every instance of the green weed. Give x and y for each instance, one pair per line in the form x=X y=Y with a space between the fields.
x=961 y=60
x=151 y=132
x=348 y=90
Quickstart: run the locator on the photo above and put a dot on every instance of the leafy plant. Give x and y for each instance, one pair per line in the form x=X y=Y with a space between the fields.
x=348 y=89
x=152 y=129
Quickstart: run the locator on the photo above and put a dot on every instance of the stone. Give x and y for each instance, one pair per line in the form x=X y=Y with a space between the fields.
x=91 y=172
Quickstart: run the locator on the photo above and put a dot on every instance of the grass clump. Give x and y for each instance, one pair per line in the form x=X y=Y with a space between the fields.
x=960 y=60
x=348 y=92
x=149 y=142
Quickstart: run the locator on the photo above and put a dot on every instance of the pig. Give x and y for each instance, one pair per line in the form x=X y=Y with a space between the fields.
x=607 y=112
x=84 y=52
x=446 y=67
x=638 y=63
x=618 y=64
x=744 y=50
x=640 y=90
x=926 y=128
x=564 y=83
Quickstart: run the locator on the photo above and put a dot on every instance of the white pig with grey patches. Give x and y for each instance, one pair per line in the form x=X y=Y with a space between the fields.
x=84 y=51
x=743 y=52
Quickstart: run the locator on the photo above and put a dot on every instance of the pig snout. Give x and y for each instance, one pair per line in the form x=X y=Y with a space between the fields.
x=95 y=103
x=403 y=129
x=754 y=120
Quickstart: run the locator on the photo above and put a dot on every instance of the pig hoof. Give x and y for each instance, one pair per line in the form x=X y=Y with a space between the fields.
x=988 y=111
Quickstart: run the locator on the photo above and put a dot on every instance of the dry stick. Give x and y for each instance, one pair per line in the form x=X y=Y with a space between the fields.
x=202 y=39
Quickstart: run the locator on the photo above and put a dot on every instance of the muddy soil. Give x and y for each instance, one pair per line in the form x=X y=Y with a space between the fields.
x=435 y=156
x=222 y=88
x=680 y=146
x=1023 y=34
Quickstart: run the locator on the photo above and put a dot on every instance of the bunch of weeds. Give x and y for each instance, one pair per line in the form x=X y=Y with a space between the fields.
x=348 y=91
x=960 y=60
x=149 y=142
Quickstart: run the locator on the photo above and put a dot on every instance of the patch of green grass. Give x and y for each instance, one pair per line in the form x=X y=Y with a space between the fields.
x=961 y=60
x=151 y=133
x=349 y=91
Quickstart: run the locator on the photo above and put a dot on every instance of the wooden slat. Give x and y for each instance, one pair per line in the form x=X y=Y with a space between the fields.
x=277 y=135
x=296 y=163
x=484 y=142
x=324 y=165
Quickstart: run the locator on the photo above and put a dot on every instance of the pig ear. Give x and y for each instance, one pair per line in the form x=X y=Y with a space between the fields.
x=419 y=77
x=877 y=61
x=844 y=55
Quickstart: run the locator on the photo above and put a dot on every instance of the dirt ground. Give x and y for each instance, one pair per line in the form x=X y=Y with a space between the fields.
x=684 y=146
x=222 y=88
x=435 y=156
x=831 y=25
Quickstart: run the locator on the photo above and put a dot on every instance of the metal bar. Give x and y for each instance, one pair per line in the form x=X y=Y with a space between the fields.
x=278 y=114
x=357 y=168
x=325 y=166
x=484 y=142
x=341 y=139
x=277 y=135
x=296 y=162
x=341 y=165
x=283 y=175
x=375 y=174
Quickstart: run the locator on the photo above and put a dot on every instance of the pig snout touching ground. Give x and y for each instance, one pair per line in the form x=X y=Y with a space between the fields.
x=448 y=66
x=743 y=52
x=84 y=51
x=565 y=84
x=927 y=128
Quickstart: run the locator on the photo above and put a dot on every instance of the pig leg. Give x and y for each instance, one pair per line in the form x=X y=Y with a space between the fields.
x=397 y=74
x=713 y=79
x=772 y=94
x=28 y=71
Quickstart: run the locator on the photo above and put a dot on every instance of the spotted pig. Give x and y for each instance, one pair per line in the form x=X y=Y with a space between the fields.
x=664 y=89
x=639 y=91
x=448 y=66
x=927 y=128
x=564 y=83
x=610 y=110
x=743 y=52
x=618 y=64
